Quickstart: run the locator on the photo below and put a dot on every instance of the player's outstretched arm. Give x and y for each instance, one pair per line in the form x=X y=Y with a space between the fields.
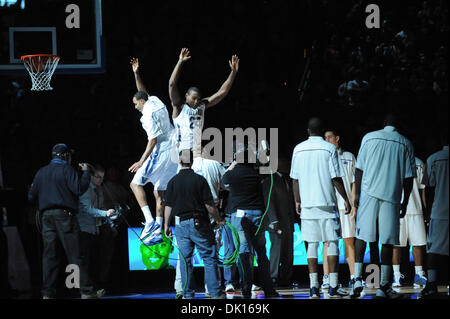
x=174 y=92
x=226 y=86
x=139 y=84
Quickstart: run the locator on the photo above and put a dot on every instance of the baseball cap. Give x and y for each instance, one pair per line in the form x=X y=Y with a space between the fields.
x=60 y=149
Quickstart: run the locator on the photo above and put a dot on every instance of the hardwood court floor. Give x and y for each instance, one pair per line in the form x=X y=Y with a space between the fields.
x=295 y=293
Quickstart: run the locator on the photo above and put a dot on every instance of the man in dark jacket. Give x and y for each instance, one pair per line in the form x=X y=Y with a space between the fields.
x=57 y=187
x=280 y=221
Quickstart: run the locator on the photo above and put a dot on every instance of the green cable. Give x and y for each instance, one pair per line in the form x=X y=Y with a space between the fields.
x=232 y=259
x=268 y=202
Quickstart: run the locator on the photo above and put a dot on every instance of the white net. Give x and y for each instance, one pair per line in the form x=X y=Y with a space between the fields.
x=41 y=68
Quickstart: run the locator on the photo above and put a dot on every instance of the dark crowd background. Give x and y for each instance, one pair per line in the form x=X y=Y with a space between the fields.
x=297 y=59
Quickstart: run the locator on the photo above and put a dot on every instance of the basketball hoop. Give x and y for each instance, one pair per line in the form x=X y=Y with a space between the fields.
x=41 y=68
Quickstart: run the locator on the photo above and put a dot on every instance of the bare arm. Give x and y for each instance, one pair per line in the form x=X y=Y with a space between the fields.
x=296 y=190
x=226 y=86
x=407 y=188
x=429 y=194
x=139 y=84
x=148 y=150
x=423 y=197
x=167 y=216
x=356 y=192
x=339 y=185
x=212 y=210
x=174 y=92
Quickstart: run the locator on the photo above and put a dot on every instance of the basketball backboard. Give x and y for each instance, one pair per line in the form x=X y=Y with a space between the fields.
x=71 y=29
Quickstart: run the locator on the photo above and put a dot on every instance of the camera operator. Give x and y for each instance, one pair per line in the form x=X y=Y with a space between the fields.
x=90 y=217
x=57 y=187
x=189 y=197
x=246 y=196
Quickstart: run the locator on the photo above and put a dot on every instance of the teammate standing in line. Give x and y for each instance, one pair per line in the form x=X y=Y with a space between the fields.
x=436 y=181
x=188 y=114
x=384 y=166
x=316 y=173
x=348 y=224
x=155 y=164
x=412 y=229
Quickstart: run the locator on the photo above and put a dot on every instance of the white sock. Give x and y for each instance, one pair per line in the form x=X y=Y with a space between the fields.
x=147 y=214
x=159 y=220
x=358 y=269
x=314 y=280
x=396 y=268
x=333 y=279
x=352 y=277
x=419 y=270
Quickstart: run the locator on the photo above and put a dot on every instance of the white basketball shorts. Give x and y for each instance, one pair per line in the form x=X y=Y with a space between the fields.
x=158 y=169
x=412 y=230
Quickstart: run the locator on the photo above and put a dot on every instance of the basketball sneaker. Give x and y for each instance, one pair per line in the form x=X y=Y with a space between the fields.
x=337 y=292
x=153 y=239
x=314 y=293
x=325 y=283
x=357 y=288
x=420 y=280
x=430 y=291
x=256 y=288
x=398 y=279
x=229 y=288
x=149 y=228
x=386 y=292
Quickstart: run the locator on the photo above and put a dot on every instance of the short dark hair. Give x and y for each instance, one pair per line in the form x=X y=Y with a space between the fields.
x=193 y=89
x=99 y=168
x=390 y=119
x=315 y=126
x=186 y=157
x=141 y=95
x=332 y=130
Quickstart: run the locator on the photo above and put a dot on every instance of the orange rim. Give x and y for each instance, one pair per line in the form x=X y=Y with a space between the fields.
x=23 y=57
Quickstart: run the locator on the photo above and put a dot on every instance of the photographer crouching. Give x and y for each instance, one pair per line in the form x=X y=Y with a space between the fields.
x=57 y=187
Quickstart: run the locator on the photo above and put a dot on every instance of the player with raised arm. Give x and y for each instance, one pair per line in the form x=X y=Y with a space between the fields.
x=155 y=164
x=188 y=113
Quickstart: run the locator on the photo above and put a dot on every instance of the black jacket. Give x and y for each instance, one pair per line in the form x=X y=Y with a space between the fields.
x=57 y=185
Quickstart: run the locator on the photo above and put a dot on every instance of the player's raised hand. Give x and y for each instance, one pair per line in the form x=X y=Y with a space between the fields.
x=184 y=55
x=234 y=63
x=135 y=64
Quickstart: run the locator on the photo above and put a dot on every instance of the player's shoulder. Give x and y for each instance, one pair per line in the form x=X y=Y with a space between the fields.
x=373 y=134
x=403 y=139
x=330 y=146
x=439 y=155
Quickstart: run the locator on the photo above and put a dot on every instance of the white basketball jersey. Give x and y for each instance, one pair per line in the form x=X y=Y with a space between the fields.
x=415 y=201
x=156 y=123
x=348 y=162
x=189 y=126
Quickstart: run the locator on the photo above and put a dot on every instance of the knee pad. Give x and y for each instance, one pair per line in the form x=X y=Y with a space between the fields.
x=333 y=248
x=312 y=250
